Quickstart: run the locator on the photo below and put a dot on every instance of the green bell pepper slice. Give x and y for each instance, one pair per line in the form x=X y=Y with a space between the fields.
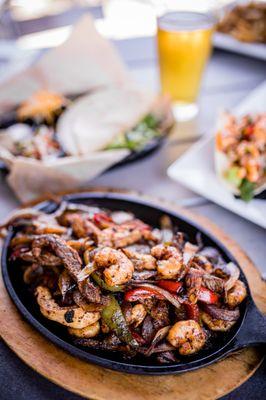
x=113 y=317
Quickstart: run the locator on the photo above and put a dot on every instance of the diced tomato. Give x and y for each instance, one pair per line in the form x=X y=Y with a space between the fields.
x=170 y=286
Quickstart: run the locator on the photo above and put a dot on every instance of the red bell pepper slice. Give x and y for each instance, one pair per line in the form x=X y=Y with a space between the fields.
x=192 y=311
x=102 y=219
x=207 y=296
x=142 y=293
x=170 y=286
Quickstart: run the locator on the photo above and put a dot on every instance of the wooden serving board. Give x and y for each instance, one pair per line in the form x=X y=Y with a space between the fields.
x=97 y=383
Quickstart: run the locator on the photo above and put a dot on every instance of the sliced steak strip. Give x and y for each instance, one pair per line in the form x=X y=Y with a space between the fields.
x=71 y=260
x=70 y=257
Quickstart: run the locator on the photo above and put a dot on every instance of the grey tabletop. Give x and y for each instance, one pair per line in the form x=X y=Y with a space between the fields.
x=228 y=79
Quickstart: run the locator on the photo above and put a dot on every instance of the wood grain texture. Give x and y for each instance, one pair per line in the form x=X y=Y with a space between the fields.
x=97 y=383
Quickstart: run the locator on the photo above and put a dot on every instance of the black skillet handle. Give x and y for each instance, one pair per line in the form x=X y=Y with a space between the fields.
x=253 y=331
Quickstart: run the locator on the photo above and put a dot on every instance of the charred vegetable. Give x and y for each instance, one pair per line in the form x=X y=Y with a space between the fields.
x=113 y=317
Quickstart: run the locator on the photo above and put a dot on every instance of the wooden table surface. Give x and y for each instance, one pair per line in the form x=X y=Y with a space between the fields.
x=228 y=79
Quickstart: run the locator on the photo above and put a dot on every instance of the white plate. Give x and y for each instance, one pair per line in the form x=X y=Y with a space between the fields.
x=195 y=169
x=226 y=42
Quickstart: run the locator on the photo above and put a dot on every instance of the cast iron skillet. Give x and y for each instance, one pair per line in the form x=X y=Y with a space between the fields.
x=250 y=329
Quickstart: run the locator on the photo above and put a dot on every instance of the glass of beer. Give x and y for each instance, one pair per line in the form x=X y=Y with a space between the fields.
x=184 y=46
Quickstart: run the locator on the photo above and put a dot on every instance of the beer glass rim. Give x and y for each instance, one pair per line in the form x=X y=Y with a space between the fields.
x=185 y=20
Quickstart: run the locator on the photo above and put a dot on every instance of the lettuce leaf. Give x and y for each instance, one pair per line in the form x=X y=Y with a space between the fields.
x=233 y=177
x=139 y=136
x=247 y=190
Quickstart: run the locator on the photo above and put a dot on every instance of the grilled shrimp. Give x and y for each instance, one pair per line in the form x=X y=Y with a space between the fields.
x=118 y=236
x=112 y=235
x=236 y=294
x=164 y=252
x=140 y=261
x=83 y=228
x=153 y=235
x=87 y=332
x=170 y=263
x=216 y=324
x=187 y=336
x=128 y=233
x=118 y=268
x=73 y=317
x=169 y=269
x=136 y=315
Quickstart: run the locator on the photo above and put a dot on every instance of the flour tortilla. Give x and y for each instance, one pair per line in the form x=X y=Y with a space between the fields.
x=94 y=120
x=31 y=178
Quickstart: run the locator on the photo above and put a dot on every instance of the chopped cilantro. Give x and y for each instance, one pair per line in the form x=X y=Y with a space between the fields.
x=150 y=121
x=139 y=136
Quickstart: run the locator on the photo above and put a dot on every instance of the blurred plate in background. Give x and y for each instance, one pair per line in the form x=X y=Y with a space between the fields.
x=195 y=169
x=226 y=42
